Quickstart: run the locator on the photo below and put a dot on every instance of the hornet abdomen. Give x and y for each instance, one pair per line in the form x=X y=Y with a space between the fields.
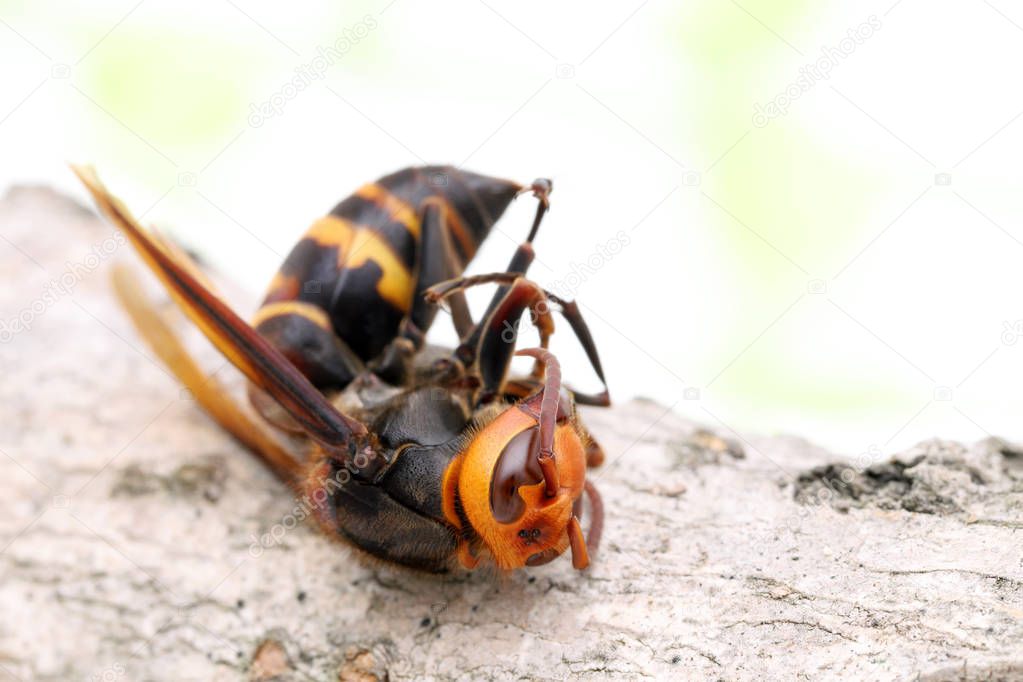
x=357 y=275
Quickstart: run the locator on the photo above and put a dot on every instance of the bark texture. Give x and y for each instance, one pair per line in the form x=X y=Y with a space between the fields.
x=138 y=542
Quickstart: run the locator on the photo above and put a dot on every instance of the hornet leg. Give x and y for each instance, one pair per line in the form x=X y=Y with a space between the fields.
x=437 y=260
x=491 y=345
x=488 y=353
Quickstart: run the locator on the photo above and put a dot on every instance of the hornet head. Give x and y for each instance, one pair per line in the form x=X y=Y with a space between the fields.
x=520 y=479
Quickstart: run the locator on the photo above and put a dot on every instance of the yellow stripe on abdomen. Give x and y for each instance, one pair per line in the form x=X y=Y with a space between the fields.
x=312 y=313
x=399 y=209
x=359 y=245
x=330 y=231
x=395 y=285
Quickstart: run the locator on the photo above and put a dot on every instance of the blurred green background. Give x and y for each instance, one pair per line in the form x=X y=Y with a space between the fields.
x=821 y=201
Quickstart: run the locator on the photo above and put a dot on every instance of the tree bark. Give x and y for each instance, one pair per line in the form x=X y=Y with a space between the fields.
x=137 y=541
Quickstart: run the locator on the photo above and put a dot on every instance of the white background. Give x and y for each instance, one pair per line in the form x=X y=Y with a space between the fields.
x=809 y=276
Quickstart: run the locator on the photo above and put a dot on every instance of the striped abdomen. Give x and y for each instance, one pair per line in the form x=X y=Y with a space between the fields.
x=343 y=291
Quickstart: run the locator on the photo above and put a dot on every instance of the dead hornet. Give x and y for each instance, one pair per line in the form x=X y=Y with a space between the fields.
x=425 y=457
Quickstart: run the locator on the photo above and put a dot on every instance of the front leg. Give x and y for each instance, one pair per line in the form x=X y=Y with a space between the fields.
x=488 y=351
x=490 y=347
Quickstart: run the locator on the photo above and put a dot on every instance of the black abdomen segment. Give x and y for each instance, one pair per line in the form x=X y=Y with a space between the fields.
x=361 y=265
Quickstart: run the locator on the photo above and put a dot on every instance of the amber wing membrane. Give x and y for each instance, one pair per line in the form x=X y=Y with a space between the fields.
x=259 y=361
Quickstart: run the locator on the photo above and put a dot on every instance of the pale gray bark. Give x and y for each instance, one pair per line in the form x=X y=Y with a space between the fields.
x=128 y=520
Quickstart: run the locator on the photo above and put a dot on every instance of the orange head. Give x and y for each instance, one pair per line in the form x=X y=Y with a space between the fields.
x=520 y=479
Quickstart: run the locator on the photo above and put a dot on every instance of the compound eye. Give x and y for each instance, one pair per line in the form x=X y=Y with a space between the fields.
x=517 y=465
